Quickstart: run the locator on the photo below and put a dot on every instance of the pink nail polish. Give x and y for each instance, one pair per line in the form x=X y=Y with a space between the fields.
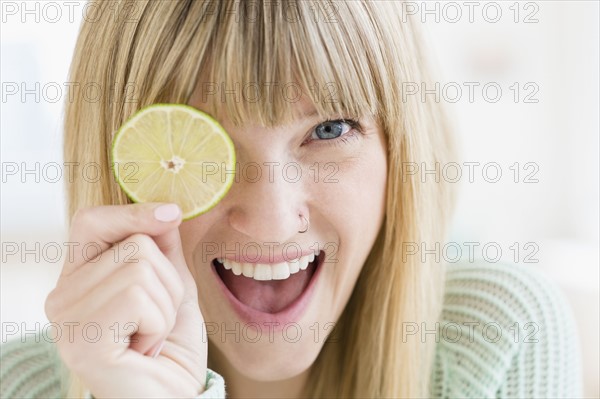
x=167 y=213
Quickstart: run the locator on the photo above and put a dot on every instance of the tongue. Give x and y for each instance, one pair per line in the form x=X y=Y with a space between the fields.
x=267 y=296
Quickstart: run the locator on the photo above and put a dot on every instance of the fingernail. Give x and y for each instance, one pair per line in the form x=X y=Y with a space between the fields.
x=158 y=349
x=166 y=213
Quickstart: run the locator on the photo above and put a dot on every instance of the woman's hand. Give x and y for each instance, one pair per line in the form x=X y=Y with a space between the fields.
x=124 y=289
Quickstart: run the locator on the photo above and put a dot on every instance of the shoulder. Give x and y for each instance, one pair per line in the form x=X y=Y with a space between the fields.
x=505 y=331
x=31 y=368
x=506 y=293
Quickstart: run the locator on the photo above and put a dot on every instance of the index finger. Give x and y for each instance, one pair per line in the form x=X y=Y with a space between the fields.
x=103 y=226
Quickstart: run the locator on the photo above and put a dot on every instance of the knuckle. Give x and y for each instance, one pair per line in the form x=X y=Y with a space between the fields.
x=83 y=216
x=143 y=272
x=136 y=213
x=136 y=296
x=140 y=303
x=142 y=242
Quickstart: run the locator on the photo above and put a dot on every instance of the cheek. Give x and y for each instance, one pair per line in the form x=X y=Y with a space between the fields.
x=354 y=197
x=353 y=207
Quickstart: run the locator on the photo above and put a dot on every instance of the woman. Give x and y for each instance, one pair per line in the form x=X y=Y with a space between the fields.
x=317 y=85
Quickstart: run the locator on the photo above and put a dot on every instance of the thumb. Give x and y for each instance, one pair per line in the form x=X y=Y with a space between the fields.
x=169 y=243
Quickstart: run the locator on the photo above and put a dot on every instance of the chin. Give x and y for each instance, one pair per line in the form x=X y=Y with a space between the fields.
x=274 y=362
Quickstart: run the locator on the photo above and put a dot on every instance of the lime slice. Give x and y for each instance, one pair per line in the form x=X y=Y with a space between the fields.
x=174 y=153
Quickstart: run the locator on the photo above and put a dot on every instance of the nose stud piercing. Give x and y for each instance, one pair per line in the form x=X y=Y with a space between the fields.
x=307 y=224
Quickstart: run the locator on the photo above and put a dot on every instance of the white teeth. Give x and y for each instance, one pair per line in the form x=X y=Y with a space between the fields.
x=280 y=271
x=262 y=272
x=236 y=268
x=248 y=270
x=303 y=263
x=265 y=272
x=294 y=266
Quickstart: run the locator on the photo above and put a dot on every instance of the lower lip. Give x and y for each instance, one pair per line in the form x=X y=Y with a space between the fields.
x=275 y=321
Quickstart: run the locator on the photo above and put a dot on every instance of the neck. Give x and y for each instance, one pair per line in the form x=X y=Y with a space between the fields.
x=239 y=385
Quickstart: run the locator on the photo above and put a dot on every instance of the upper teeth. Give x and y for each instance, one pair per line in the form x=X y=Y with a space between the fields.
x=262 y=271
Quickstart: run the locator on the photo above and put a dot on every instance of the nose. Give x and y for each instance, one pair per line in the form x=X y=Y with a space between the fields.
x=267 y=205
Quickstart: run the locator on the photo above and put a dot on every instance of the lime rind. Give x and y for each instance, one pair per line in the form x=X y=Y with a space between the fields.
x=195 y=114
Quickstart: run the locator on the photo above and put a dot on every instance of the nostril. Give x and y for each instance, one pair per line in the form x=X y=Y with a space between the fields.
x=266 y=223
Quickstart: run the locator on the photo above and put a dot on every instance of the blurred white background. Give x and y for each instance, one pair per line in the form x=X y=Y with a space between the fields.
x=546 y=50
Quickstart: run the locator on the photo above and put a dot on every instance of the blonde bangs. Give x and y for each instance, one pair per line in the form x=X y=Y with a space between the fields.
x=265 y=61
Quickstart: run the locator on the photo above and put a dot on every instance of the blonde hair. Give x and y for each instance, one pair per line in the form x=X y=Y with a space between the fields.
x=359 y=63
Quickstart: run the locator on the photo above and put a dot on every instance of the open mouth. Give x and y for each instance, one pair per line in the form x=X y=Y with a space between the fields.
x=269 y=288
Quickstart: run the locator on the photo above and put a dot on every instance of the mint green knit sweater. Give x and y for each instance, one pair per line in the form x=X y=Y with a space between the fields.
x=504 y=332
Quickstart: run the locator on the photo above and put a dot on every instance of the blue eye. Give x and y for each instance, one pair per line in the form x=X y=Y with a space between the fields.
x=331 y=130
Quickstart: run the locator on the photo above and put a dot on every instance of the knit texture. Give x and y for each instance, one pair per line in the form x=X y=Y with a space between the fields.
x=505 y=332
